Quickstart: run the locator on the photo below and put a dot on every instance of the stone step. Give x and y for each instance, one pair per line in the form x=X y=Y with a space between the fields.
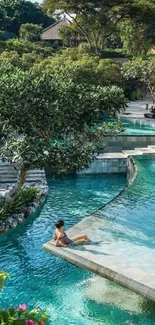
x=32 y=180
x=132 y=152
x=38 y=173
x=8 y=179
x=8 y=172
x=146 y=150
x=4 y=163
x=7 y=167
x=36 y=170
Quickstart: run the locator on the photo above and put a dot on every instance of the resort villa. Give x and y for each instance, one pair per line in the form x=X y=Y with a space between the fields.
x=51 y=33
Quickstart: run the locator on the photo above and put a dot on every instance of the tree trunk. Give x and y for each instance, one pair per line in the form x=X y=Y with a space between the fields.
x=22 y=177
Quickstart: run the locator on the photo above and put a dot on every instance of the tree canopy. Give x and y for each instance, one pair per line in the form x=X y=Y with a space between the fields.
x=30 y=32
x=15 y=13
x=96 y=20
x=143 y=70
x=58 y=121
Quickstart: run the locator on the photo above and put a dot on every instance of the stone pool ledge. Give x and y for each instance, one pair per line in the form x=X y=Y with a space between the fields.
x=108 y=163
x=99 y=258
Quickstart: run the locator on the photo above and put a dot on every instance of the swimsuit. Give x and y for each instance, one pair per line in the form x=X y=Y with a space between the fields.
x=65 y=240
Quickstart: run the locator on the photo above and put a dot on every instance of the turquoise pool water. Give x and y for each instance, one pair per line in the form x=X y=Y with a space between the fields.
x=71 y=295
x=40 y=279
x=135 y=127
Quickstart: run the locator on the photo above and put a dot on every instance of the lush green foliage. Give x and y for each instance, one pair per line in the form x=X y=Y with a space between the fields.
x=22 y=46
x=30 y=32
x=84 y=68
x=137 y=38
x=18 y=202
x=24 y=54
x=97 y=20
x=16 y=13
x=4 y=36
x=69 y=35
x=142 y=70
x=21 y=316
x=57 y=118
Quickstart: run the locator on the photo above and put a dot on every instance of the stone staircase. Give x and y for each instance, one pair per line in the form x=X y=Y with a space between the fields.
x=8 y=177
x=140 y=151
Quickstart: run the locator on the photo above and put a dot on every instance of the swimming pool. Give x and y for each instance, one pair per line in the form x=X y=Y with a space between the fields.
x=71 y=295
x=38 y=278
x=137 y=127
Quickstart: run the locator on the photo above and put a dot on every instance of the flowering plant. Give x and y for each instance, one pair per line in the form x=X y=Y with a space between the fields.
x=21 y=316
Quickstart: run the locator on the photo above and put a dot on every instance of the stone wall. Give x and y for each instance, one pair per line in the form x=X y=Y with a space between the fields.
x=128 y=142
x=111 y=165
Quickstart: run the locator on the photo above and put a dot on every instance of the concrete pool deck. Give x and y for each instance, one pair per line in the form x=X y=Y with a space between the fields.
x=103 y=259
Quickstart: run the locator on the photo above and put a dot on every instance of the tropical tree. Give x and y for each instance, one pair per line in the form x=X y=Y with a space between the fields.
x=30 y=32
x=16 y=13
x=69 y=35
x=137 y=38
x=142 y=70
x=26 y=47
x=97 y=20
x=84 y=68
x=53 y=121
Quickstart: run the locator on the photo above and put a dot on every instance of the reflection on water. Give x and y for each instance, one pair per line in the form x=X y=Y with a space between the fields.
x=103 y=291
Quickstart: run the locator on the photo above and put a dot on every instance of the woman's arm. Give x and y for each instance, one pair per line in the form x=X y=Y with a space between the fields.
x=58 y=243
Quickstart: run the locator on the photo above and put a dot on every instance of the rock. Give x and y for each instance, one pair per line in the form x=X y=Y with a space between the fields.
x=42 y=198
x=32 y=209
x=14 y=223
x=149 y=115
x=2 y=226
x=19 y=217
x=11 y=222
x=27 y=212
x=36 y=204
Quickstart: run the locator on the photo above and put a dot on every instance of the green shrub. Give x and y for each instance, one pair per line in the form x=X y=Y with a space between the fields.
x=18 y=202
x=22 y=46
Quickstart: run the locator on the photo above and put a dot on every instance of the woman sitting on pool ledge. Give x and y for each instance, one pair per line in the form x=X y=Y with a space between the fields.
x=62 y=240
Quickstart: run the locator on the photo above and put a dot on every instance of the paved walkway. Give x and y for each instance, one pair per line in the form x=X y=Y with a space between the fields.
x=103 y=258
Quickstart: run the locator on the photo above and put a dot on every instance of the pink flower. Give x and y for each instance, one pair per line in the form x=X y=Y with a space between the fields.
x=22 y=307
x=30 y=322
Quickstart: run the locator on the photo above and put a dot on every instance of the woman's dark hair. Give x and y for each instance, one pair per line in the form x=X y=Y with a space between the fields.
x=59 y=224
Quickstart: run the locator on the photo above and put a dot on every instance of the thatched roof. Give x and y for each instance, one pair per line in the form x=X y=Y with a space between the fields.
x=51 y=33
